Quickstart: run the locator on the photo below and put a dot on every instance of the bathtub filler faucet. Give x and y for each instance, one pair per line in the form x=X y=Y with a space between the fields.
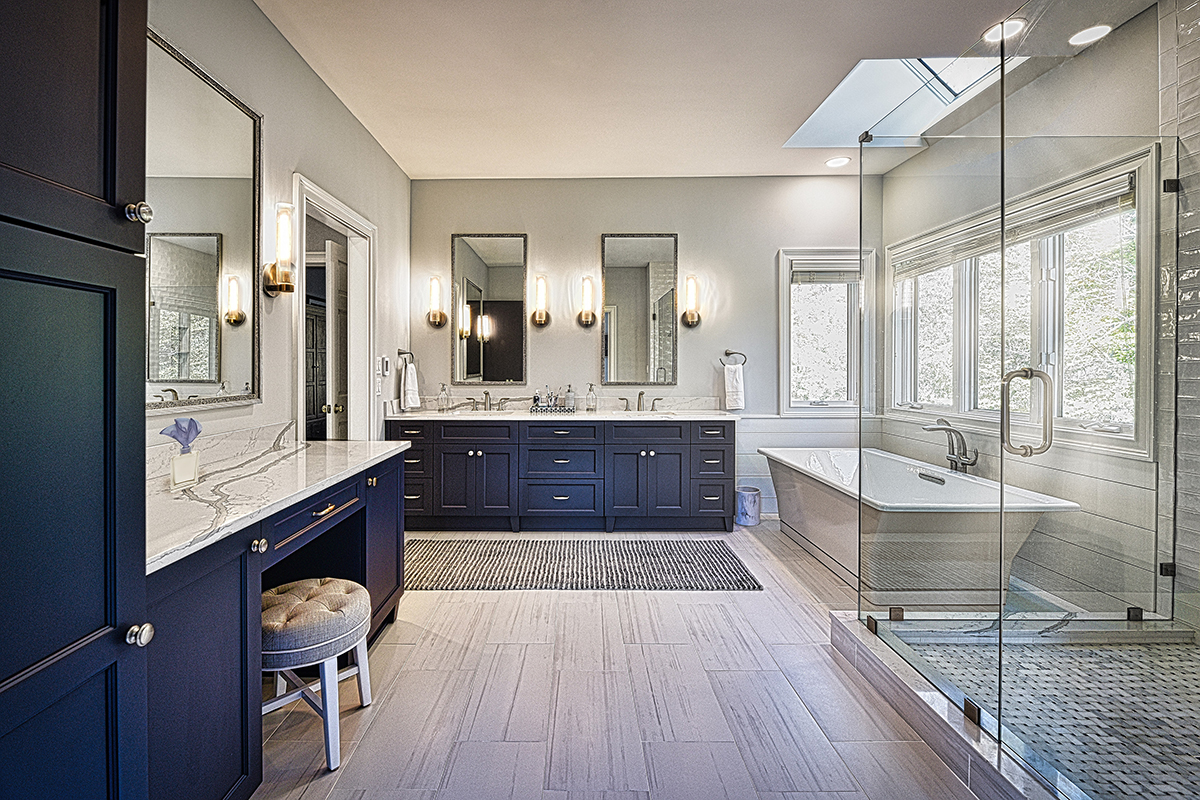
x=958 y=458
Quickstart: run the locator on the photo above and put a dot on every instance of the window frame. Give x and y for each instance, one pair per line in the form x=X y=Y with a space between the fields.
x=827 y=260
x=1043 y=203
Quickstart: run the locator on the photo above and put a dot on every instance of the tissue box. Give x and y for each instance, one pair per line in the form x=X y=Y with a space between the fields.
x=185 y=470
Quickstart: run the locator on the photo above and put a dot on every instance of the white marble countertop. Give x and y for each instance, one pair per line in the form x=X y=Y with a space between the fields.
x=234 y=493
x=524 y=415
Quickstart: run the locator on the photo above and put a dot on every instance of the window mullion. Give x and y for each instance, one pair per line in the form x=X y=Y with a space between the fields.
x=966 y=307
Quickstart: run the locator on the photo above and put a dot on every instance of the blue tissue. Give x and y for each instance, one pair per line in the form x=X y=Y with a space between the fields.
x=185 y=430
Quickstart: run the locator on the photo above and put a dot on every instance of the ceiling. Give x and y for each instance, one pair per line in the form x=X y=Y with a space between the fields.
x=607 y=88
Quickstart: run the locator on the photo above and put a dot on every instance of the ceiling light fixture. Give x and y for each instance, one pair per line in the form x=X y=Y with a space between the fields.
x=840 y=161
x=1089 y=35
x=1005 y=30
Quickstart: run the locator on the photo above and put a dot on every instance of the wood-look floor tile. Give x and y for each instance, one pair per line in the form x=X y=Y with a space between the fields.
x=511 y=695
x=411 y=738
x=413 y=614
x=651 y=618
x=495 y=771
x=523 y=618
x=453 y=639
x=902 y=771
x=724 y=638
x=594 y=739
x=673 y=696
x=550 y=794
x=777 y=621
x=296 y=770
x=697 y=771
x=846 y=707
x=783 y=747
x=588 y=633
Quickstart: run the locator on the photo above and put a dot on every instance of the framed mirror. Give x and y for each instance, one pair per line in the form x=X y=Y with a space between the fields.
x=203 y=161
x=487 y=276
x=638 y=322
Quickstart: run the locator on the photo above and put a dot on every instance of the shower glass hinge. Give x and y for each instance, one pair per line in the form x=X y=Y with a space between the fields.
x=865 y=138
x=1167 y=569
x=872 y=625
x=1172 y=185
x=972 y=712
x=896 y=613
x=1133 y=614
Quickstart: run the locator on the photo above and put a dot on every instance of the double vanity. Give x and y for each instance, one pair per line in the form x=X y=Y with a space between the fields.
x=604 y=471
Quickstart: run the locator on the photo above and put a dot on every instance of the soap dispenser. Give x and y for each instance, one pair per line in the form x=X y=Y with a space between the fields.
x=570 y=397
x=443 y=400
x=590 y=401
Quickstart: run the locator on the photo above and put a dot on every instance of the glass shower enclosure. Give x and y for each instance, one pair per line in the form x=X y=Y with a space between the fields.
x=1016 y=464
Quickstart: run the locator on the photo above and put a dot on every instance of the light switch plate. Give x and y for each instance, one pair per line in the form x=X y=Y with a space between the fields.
x=378 y=386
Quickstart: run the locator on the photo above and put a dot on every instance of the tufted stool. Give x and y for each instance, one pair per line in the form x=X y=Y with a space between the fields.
x=313 y=622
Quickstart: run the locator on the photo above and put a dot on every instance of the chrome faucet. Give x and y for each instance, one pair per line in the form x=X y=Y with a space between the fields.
x=487 y=401
x=641 y=400
x=958 y=458
x=500 y=403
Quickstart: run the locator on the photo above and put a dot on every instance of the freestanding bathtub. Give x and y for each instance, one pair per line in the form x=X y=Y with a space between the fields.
x=930 y=537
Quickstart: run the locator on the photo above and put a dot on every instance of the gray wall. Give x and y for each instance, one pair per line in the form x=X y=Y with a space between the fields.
x=306 y=129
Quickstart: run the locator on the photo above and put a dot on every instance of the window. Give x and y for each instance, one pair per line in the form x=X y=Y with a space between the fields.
x=1078 y=277
x=820 y=293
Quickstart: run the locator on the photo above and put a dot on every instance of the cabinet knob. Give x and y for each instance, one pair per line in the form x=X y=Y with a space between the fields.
x=372 y=481
x=258 y=546
x=139 y=212
x=470 y=452
x=140 y=634
x=643 y=453
x=652 y=453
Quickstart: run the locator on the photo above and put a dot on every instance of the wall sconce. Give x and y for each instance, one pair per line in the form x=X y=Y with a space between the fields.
x=587 y=314
x=233 y=303
x=691 y=305
x=436 y=317
x=464 y=321
x=485 y=327
x=279 y=277
x=541 y=317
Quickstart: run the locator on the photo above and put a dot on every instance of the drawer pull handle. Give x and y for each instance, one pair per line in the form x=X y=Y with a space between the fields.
x=562 y=461
x=413 y=433
x=714 y=497
x=412 y=497
x=712 y=433
x=562 y=497
x=712 y=461
x=412 y=461
x=561 y=433
x=329 y=508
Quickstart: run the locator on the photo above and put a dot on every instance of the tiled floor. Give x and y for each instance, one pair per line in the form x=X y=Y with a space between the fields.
x=615 y=696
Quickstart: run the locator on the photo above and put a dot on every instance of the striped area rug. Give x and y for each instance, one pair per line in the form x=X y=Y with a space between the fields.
x=697 y=565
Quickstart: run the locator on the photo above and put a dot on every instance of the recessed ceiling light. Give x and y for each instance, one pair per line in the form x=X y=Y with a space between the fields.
x=1006 y=30
x=840 y=161
x=1090 y=35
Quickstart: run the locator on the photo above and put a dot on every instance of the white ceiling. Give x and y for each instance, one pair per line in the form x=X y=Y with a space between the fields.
x=607 y=88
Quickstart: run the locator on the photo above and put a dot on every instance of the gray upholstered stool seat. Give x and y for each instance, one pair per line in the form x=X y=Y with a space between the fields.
x=313 y=622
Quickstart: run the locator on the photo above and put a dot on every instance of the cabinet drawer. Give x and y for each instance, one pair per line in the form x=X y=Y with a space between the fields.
x=578 y=498
x=418 y=496
x=537 y=462
x=592 y=432
x=416 y=461
x=398 y=430
x=294 y=526
x=647 y=432
x=712 y=498
x=476 y=432
x=712 y=462
x=722 y=431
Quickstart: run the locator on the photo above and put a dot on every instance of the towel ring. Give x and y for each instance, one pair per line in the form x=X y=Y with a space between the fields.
x=734 y=353
x=406 y=357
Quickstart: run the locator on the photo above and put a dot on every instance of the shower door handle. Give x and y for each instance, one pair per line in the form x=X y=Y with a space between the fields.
x=1024 y=450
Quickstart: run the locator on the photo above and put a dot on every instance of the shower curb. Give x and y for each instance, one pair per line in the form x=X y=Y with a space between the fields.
x=972 y=754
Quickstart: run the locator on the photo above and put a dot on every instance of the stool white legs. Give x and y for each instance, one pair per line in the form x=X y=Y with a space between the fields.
x=364 y=672
x=329 y=712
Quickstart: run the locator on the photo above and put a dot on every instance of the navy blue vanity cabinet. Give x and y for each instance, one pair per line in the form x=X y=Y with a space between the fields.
x=562 y=469
x=205 y=683
x=418 y=463
x=385 y=538
x=649 y=480
x=475 y=479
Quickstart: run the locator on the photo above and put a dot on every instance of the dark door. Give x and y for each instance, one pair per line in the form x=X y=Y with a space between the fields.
x=384 y=534
x=454 y=479
x=73 y=117
x=625 y=481
x=668 y=481
x=205 y=682
x=496 y=480
x=72 y=360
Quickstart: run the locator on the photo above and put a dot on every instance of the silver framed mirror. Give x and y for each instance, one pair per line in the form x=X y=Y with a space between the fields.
x=203 y=177
x=639 y=331
x=487 y=279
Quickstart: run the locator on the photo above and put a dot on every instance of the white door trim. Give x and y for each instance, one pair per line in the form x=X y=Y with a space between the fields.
x=365 y=410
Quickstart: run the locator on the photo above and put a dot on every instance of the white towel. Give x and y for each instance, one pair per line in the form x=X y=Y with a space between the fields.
x=411 y=394
x=735 y=388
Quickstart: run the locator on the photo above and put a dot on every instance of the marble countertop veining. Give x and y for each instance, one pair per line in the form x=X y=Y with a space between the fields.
x=524 y=415
x=235 y=493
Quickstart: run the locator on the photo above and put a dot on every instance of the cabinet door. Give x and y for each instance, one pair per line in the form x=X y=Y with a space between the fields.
x=384 y=536
x=73 y=505
x=496 y=481
x=73 y=117
x=205 y=680
x=625 y=481
x=668 y=481
x=454 y=479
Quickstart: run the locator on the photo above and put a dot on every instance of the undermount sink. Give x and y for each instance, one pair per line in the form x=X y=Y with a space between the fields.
x=466 y=412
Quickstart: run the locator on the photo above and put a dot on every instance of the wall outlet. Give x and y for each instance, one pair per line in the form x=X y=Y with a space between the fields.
x=378 y=386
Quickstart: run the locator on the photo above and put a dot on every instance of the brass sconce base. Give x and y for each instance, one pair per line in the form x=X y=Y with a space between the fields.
x=235 y=318
x=276 y=281
x=690 y=319
x=436 y=318
x=540 y=319
x=586 y=319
